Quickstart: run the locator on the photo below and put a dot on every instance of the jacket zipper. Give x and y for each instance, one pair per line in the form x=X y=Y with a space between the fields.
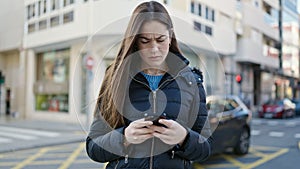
x=154 y=111
x=154 y=101
x=117 y=164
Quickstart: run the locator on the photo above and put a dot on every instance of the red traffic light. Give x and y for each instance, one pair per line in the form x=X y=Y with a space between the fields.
x=238 y=78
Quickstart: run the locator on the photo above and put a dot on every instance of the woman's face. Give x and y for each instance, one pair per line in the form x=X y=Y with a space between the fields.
x=153 y=44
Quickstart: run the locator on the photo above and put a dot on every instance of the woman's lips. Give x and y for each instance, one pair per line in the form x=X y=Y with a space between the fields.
x=154 y=57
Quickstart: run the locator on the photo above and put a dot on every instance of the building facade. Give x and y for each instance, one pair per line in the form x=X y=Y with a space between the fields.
x=267 y=53
x=11 y=38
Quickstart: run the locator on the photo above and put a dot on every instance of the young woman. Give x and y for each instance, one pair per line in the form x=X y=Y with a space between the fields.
x=151 y=111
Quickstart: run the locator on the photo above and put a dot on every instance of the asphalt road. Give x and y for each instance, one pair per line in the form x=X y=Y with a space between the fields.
x=275 y=144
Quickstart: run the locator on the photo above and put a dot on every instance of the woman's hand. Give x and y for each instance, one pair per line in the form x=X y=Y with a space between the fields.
x=172 y=134
x=138 y=132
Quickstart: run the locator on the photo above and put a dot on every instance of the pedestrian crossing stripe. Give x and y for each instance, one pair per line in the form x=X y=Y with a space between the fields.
x=29 y=131
x=9 y=133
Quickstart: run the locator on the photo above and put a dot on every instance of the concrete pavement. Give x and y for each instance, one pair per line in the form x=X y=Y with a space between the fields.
x=18 y=134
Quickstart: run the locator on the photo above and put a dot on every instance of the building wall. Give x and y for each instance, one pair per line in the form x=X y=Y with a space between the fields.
x=11 y=29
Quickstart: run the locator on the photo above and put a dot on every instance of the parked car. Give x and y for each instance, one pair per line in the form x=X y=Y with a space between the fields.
x=297 y=108
x=281 y=108
x=230 y=122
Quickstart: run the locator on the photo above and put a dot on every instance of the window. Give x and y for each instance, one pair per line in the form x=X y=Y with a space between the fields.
x=208 y=30
x=42 y=24
x=209 y=14
x=54 y=21
x=52 y=102
x=199 y=9
x=68 y=17
x=39 y=8
x=45 y=6
x=53 y=66
x=167 y=2
x=30 y=11
x=54 y=5
x=192 y=7
x=31 y=28
x=197 y=26
x=51 y=88
x=68 y=2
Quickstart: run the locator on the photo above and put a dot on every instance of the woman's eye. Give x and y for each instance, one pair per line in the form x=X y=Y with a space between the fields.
x=161 y=40
x=144 y=41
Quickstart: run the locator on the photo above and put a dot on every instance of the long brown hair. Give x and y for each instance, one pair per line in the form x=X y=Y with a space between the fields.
x=112 y=92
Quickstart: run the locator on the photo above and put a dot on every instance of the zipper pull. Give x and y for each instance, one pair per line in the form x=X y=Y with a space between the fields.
x=126 y=158
x=173 y=153
x=154 y=101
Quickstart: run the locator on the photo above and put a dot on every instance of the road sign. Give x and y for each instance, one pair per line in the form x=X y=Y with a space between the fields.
x=89 y=62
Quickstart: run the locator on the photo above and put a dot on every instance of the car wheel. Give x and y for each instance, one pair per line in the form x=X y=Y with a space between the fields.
x=243 y=144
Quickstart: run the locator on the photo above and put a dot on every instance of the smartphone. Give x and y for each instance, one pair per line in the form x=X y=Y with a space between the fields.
x=155 y=119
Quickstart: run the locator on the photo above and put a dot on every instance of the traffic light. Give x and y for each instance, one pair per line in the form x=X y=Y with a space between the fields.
x=238 y=78
x=2 y=78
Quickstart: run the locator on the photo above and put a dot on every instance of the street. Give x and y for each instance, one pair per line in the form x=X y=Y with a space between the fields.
x=275 y=143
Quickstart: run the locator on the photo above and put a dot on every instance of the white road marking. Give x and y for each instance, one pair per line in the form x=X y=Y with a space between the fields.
x=5 y=140
x=297 y=135
x=19 y=136
x=29 y=131
x=255 y=132
x=290 y=124
x=273 y=123
x=256 y=122
x=276 y=134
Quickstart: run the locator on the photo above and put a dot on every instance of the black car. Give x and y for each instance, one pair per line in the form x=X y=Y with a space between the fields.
x=230 y=122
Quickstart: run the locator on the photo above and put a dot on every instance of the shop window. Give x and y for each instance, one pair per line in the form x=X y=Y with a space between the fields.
x=68 y=17
x=52 y=103
x=51 y=88
x=53 y=66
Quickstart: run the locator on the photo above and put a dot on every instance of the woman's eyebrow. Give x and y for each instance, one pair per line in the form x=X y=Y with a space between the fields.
x=159 y=37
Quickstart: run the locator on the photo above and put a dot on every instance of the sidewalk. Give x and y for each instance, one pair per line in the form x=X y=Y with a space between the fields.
x=18 y=134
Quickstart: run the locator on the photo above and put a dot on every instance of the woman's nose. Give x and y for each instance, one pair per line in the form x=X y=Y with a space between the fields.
x=154 y=48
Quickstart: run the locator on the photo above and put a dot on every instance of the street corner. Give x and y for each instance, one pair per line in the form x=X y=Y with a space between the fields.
x=257 y=156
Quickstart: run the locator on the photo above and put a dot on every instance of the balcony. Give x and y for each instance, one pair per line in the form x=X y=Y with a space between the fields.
x=260 y=20
x=269 y=51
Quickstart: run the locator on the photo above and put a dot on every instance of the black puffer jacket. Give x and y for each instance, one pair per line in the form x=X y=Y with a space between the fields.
x=180 y=97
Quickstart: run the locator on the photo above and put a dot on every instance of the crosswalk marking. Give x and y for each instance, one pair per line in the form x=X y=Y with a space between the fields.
x=18 y=136
x=273 y=123
x=276 y=134
x=255 y=132
x=29 y=131
x=5 y=140
x=291 y=124
x=9 y=134
x=297 y=135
